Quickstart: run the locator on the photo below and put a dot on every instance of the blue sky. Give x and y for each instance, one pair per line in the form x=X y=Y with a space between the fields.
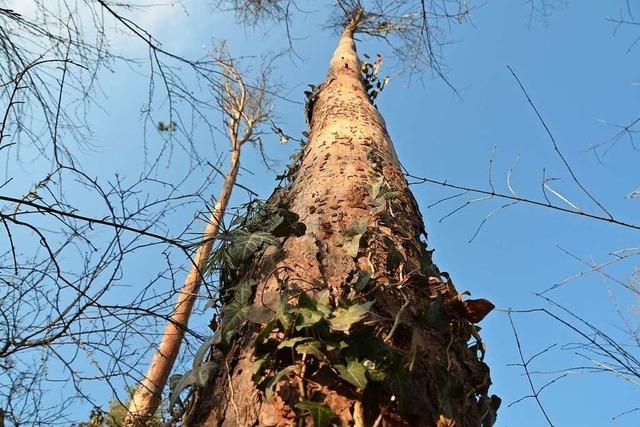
x=577 y=73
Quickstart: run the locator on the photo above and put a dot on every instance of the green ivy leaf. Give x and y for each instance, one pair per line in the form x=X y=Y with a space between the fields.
x=323 y=304
x=352 y=246
x=198 y=377
x=350 y=239
x=233 y=314
x=313 y=348
x=343 y=318
x=296 y=155
x=276 y=378
x=242 y=292
x=257 y=366
x=379 y=205
x=354 y=372
x=173 y=381
x=373 y=371
x=359 y=226
x=394 y=257
x=202 y=351
x=244 y=244
x=305 y=301
x=291 y=342
x=265 y=331
x=391 y=194
x=336 y=344
x=321 y=414
x=308 y=317
x=285 y=223
x=374 y=188
x=283 y=313
x=489 y=407
x=364 y=277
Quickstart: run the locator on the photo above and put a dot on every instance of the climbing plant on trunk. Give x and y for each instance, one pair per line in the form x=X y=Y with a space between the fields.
x=332 y=309
x=245 y=108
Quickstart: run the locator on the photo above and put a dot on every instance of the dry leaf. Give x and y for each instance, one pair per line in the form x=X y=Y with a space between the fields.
x=477 y=309
x=445 y=422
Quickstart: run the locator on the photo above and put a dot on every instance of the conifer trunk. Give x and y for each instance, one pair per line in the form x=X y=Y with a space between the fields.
x=350 y=182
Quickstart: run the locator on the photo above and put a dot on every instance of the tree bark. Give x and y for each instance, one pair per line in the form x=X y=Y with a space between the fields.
x=350 y=174
x=147 y=397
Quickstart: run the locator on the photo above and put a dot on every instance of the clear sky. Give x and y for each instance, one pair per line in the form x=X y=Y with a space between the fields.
x=577 y=72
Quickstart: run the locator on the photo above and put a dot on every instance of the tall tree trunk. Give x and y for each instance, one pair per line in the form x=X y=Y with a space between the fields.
x=391 y=348
x=148 y=395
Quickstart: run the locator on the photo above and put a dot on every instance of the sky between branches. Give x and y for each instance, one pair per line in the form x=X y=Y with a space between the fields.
x=576 y=72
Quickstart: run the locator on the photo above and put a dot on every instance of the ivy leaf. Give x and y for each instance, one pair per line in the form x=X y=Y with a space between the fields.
x=244 y=244
x=257 y=367
x=276 y=378
x=286 y=224
x=313 y=348
x=308 y=317
x=374 y=188
x=321 y=414
x=265 y=331
x=305 y=301
x=358 y=226
x=379 y=205
x=394 y=257
x=202 y=351
x=350 y=239
x=391 y=194
x=336 y=344
x=242 y=291
x=322 y=303
x=233 y=316
x=296 y=155
x=291 y=342
x=364 y=277
x=307 y=309
x=283 y=313
x=354 y=372
x=490 y=406
x=198 y=377
x=352 y=246
x=343 y=318
x=373 y=371
x=274 y=222
x=203 y=373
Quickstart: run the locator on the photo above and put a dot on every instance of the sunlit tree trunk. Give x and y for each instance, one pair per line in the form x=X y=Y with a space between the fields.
x=147 y=397
x=350 y=183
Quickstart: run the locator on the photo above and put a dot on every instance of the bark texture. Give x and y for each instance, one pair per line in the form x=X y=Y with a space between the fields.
x=347 y=164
